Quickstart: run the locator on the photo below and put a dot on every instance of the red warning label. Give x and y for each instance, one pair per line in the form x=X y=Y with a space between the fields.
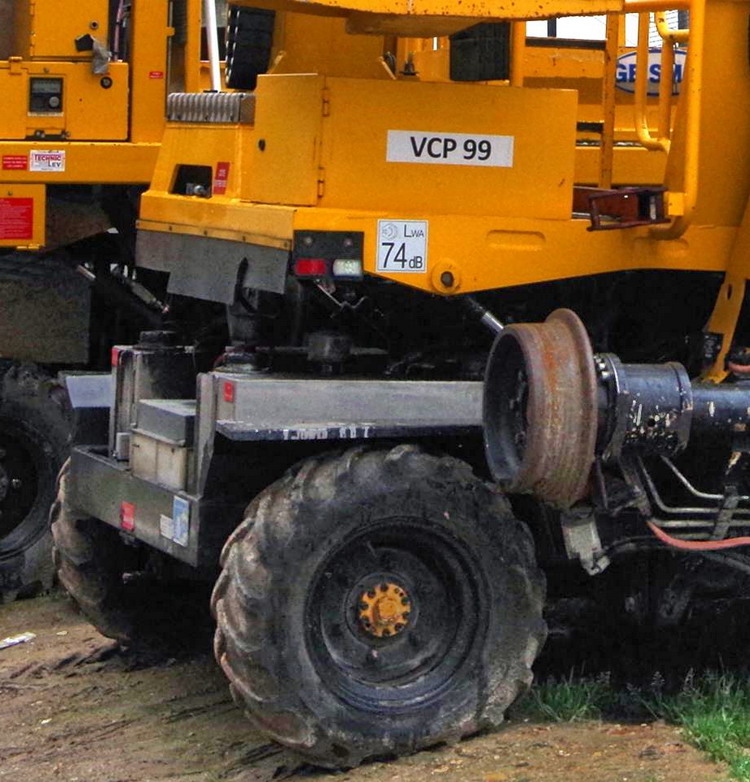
x=220 y=179
x=16 y=218
x=15 y=163
x=127 y=516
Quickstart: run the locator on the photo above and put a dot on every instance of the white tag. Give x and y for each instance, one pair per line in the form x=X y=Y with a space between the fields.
x=402 y=246
x=48 y=160
x=166 y=527
x=455 y=149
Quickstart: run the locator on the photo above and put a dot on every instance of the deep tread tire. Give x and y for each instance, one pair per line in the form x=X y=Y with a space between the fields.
x=248 y=45
x=35 y=430
x=88 y=557
x=293 y=545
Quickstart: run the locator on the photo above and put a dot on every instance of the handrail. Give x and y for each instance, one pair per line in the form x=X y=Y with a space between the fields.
x=666 y=33
x=606 y=150
x=682 y=205
x=642 y=129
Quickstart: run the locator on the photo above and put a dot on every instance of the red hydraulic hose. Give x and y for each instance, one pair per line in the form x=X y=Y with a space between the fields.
x=697 y=545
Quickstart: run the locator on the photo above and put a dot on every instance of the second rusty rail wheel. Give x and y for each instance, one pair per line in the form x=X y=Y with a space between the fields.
x=540 y=411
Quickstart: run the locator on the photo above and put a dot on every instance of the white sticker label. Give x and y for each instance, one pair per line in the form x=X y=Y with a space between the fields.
x=166 y=527
x=48 y=160
x=180 y=521
x=455 y=149
x=402 y=246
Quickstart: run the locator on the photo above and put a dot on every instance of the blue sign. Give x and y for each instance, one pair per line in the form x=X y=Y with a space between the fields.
x=626 y=65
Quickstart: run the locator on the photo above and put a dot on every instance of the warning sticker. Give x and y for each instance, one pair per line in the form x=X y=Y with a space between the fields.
x=220 y=179
x=127 y=516
x=402 y=246
x=15 y=163
x=16 y=218
x=47 y=160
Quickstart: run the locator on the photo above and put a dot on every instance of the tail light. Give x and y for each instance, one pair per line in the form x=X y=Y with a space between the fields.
x=334 y=255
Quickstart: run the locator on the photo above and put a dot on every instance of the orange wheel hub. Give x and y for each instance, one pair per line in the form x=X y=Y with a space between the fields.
x=384 y=609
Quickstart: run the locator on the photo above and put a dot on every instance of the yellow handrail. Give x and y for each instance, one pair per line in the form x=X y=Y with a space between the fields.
x=682 y=205
x=606 y=152
x=642 y=129
x=666 y=33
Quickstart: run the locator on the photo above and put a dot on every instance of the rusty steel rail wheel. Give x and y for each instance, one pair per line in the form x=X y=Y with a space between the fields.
x=376 y=602
x=540 y=409
x=34 y=440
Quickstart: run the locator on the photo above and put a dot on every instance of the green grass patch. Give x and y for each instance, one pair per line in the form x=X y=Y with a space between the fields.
x=713 y=710
x=570 y=699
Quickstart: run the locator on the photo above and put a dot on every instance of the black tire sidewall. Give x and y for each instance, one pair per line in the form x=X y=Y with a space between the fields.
x=42 y=424
x=474 y=699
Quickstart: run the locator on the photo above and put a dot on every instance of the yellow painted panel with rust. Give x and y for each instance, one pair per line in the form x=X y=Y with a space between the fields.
x=305 y=43
x=89 y=111
x=281 y=167
x=86 y=163
x=436 y=17
x=486 y=252
x=201 y=145
x=539 y=123
x=151 y=32
x=22 y=215
x=48 y=28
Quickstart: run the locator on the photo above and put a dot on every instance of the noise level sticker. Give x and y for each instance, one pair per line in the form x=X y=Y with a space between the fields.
x=402 y=246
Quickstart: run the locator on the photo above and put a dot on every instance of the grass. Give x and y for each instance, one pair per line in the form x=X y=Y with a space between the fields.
x=569 y=699
x=713 y=710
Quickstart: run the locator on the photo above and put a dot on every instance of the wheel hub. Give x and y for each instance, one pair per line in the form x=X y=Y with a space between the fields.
x=384 y=610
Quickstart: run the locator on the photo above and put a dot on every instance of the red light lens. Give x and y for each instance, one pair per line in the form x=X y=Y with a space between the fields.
x=311 y=267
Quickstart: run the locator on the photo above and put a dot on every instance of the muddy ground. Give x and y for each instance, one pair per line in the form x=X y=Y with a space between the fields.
x=74 y=707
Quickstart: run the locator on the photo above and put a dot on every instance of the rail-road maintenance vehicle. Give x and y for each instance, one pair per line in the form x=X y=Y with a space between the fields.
x=84 y=90
x=438 y=325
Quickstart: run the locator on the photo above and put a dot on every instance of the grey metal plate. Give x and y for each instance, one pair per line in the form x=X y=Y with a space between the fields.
x=268 y=402
x=342 y=431
x=169 y=419
x=207 y=268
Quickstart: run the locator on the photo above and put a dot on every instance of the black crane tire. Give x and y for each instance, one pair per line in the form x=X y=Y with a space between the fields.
x=375 y=602
x=249 y=39
x=88 y=558
x=35 y=426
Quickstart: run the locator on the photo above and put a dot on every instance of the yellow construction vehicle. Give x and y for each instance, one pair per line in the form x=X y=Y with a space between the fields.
x=84 y=96
x=471 y=297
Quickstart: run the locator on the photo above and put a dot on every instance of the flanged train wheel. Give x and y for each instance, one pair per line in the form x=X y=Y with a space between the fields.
x=377 y=602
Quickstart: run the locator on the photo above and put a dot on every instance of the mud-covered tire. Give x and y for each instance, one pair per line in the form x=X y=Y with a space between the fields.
x=249 y=39
x=89 y=557
x=35 y=428
x=316 y=547
x=118 y=587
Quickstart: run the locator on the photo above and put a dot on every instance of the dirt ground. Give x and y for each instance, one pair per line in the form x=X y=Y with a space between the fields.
x=74 y=708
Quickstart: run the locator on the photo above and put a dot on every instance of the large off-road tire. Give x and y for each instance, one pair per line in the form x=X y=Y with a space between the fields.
x=249 y=41
x=377 y=602
x=34 y=441
x=118 y=587
x=90 y=560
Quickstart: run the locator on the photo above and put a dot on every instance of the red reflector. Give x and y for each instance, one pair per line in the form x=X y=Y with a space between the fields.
x=311 y=267
x=127 y=516
x=115 y=356
x=228 y=392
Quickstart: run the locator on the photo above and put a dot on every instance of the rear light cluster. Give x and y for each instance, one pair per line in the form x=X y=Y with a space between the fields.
x=333 y=255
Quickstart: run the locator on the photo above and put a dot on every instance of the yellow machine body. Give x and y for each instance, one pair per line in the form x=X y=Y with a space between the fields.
x=66 y=122
x=318 y=156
